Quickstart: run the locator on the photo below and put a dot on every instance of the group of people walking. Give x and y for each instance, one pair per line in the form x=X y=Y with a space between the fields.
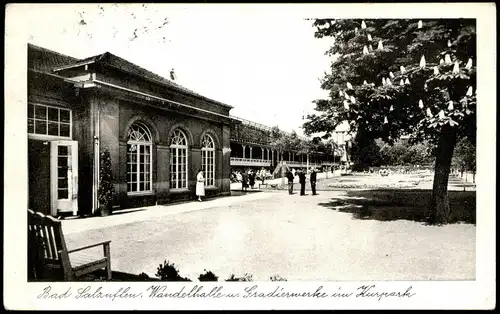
x=302 y=181
x=247 y=179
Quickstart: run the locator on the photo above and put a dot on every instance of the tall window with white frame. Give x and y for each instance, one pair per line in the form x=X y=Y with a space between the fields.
x=178 y=160
x=208 y=159
x=139 y=159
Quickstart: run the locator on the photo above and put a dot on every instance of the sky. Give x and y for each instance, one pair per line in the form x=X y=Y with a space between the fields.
x=267 y=66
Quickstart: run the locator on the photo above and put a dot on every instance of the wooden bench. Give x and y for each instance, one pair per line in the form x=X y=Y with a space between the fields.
x=48 y=257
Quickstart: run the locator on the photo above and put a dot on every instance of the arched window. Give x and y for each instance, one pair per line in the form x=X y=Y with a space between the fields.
x=139 y=159
x=208 y=159
x=178 y=160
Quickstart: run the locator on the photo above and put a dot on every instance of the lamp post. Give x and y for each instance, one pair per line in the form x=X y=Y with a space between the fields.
x=333 y=164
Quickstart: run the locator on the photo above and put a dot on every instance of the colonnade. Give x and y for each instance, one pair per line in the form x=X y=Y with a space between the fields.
x=260 y=153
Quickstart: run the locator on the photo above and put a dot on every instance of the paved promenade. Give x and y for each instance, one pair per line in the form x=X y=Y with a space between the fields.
x=269 y=233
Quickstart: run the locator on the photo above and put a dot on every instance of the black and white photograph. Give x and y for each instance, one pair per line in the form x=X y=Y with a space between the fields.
x=300 y=156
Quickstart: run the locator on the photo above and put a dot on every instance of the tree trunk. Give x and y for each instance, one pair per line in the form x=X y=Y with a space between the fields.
x=439 y=206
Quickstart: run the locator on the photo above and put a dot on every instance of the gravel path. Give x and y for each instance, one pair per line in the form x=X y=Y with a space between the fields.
x=265 y=234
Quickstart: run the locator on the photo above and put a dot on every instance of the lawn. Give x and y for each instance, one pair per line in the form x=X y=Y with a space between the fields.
x=395 y=204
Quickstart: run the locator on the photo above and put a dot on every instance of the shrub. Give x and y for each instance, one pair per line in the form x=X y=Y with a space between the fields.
x=169 y=272
x=144 y=277
x=246 y=277
x=106 y=188
x=277 y=278
x=208 y=276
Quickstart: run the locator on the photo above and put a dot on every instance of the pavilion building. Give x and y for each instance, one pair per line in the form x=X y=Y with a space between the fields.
x=158 y=133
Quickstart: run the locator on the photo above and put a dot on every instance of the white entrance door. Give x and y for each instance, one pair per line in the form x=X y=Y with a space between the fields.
x=64 y=177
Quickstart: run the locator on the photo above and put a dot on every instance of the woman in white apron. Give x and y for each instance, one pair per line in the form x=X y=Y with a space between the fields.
x=200 y=185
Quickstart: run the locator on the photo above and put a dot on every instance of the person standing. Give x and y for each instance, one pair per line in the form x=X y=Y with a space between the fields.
x=302 y=181
x=313 y=181
x=251 y=178
x=200 y=185
x=244 y=181
x=289 y=175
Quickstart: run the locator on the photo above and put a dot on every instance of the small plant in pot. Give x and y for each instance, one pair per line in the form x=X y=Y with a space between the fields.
x=106 y=188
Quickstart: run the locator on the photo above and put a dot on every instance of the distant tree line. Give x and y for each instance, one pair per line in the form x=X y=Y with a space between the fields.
x=367 y=153
x=464 y=157
x=290 y=142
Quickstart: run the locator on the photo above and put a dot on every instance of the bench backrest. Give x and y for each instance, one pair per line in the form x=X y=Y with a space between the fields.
x=45 y=241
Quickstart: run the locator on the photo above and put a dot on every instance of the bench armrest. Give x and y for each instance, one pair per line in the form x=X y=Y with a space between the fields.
x=104 y=243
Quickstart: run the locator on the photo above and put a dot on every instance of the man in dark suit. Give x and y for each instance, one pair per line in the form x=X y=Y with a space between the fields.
x=289 y=175
x=244 y=181
x=302 y=181
x=313 y=181
x=251 y=178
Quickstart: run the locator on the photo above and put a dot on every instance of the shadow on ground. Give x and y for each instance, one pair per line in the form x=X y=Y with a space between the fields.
x=240 y=193
x=127 y=211
x=396 y=204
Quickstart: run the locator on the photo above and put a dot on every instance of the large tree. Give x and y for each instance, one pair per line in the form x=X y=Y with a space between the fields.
x=402 y=77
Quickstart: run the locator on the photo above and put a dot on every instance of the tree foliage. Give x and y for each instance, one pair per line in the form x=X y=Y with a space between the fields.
x=464 y=157
x=279 y=140
x=402 y=77
x=404 y=153
x=365 y=153
x=106 y=188
x=290 y=142
x=417 y=100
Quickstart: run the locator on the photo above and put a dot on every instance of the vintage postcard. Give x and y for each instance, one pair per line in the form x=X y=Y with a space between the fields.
x=250 y=156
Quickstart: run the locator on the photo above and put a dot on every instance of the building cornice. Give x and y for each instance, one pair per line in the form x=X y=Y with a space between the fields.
x=151 y=99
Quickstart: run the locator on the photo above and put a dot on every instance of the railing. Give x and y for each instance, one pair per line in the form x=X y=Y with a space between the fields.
x=235 y=161
x=251 y=123
x=262 y=126
x=330 y=163
x=302 y=164
x=294 y=162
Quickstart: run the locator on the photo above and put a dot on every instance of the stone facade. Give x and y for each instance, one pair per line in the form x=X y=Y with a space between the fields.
x=77 y=108
x=108 y=96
